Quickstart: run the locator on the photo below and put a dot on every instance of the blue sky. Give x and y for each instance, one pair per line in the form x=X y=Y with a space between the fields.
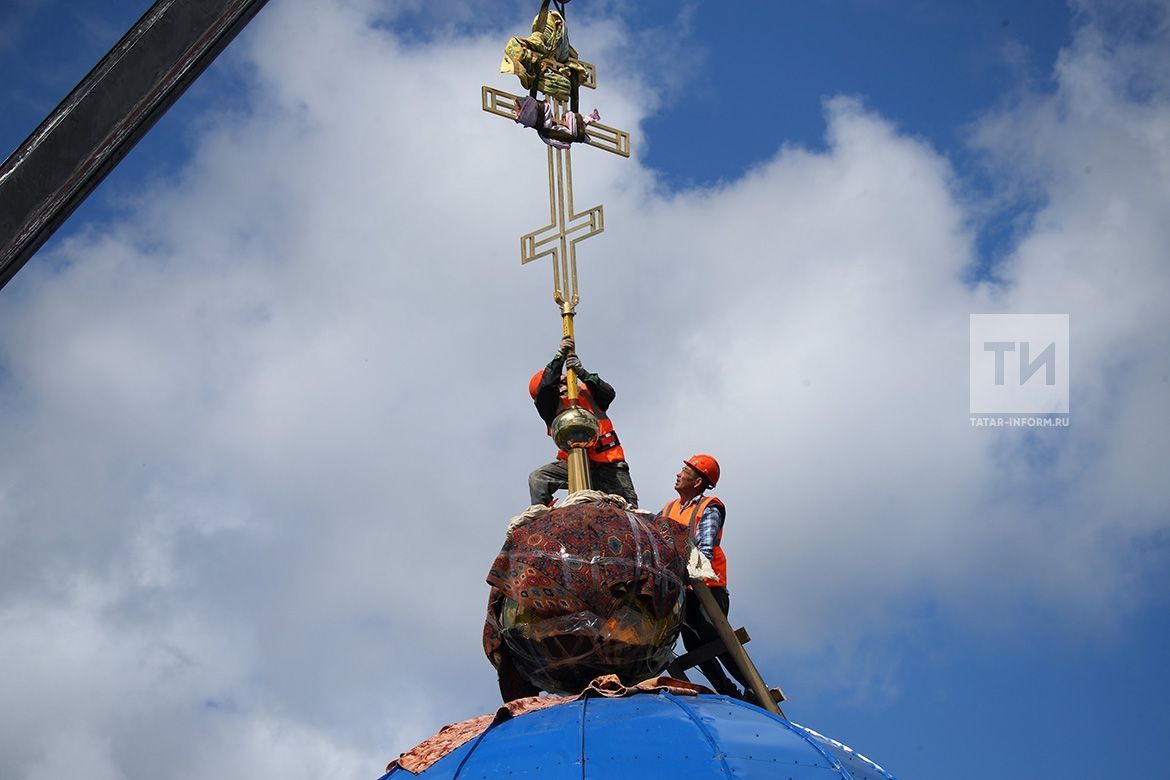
x=238 y=439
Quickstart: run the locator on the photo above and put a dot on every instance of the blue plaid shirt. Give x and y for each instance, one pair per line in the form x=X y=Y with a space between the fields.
x=708 y=527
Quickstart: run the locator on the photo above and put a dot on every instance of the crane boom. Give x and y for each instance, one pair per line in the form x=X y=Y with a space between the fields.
x=106 y=114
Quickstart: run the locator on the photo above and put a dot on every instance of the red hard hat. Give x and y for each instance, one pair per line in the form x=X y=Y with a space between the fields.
x=705 y=465
x=534 y=382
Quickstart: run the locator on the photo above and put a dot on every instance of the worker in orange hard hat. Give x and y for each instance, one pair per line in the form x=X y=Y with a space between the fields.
x=608 y=469
x=703 y=517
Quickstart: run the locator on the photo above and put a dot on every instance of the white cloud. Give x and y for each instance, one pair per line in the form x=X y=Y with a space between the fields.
x=120 y=698
x=262 y=438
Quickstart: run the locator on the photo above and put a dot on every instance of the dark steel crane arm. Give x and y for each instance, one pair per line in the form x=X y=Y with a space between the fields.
x=98 y=123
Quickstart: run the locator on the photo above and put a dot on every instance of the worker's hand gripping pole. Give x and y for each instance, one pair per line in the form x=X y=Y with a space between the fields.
x=578 y=460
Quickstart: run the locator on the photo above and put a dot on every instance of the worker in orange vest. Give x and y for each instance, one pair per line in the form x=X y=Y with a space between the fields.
x=608 y=469
x=703 y=517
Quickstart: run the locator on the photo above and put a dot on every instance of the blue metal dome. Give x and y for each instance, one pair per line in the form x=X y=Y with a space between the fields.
x=650 y=735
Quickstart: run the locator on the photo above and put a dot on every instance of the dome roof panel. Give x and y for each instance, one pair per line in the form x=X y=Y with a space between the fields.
x=650 y=735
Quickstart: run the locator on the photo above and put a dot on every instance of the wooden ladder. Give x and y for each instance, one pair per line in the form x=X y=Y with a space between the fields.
x=729 y=641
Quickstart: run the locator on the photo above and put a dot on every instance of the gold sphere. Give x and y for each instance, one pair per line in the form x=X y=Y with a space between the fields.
x=575 y=427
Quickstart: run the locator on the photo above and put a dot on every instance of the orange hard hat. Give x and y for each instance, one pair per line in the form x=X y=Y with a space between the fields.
x=705 y=465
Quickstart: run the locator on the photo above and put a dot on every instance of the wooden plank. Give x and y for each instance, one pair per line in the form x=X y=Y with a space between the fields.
x=716 y=616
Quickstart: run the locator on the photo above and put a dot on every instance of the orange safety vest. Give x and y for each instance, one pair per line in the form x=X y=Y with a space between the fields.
x=689 y=518
x=607 y=449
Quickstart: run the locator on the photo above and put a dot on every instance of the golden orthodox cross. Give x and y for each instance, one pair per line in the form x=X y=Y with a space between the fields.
x=566 y=227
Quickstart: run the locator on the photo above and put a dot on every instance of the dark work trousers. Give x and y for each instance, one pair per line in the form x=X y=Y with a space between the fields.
x=606 y=477
x=697 y=631
x=513 y=685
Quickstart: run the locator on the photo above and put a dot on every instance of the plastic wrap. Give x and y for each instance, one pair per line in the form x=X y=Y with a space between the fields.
x=587 y=590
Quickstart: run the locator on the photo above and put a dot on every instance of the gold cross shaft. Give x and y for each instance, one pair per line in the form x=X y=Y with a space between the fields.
x=565 y=229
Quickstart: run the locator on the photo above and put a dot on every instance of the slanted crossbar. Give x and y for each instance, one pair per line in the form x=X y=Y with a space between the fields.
x=604 y=137
x=701 y=655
